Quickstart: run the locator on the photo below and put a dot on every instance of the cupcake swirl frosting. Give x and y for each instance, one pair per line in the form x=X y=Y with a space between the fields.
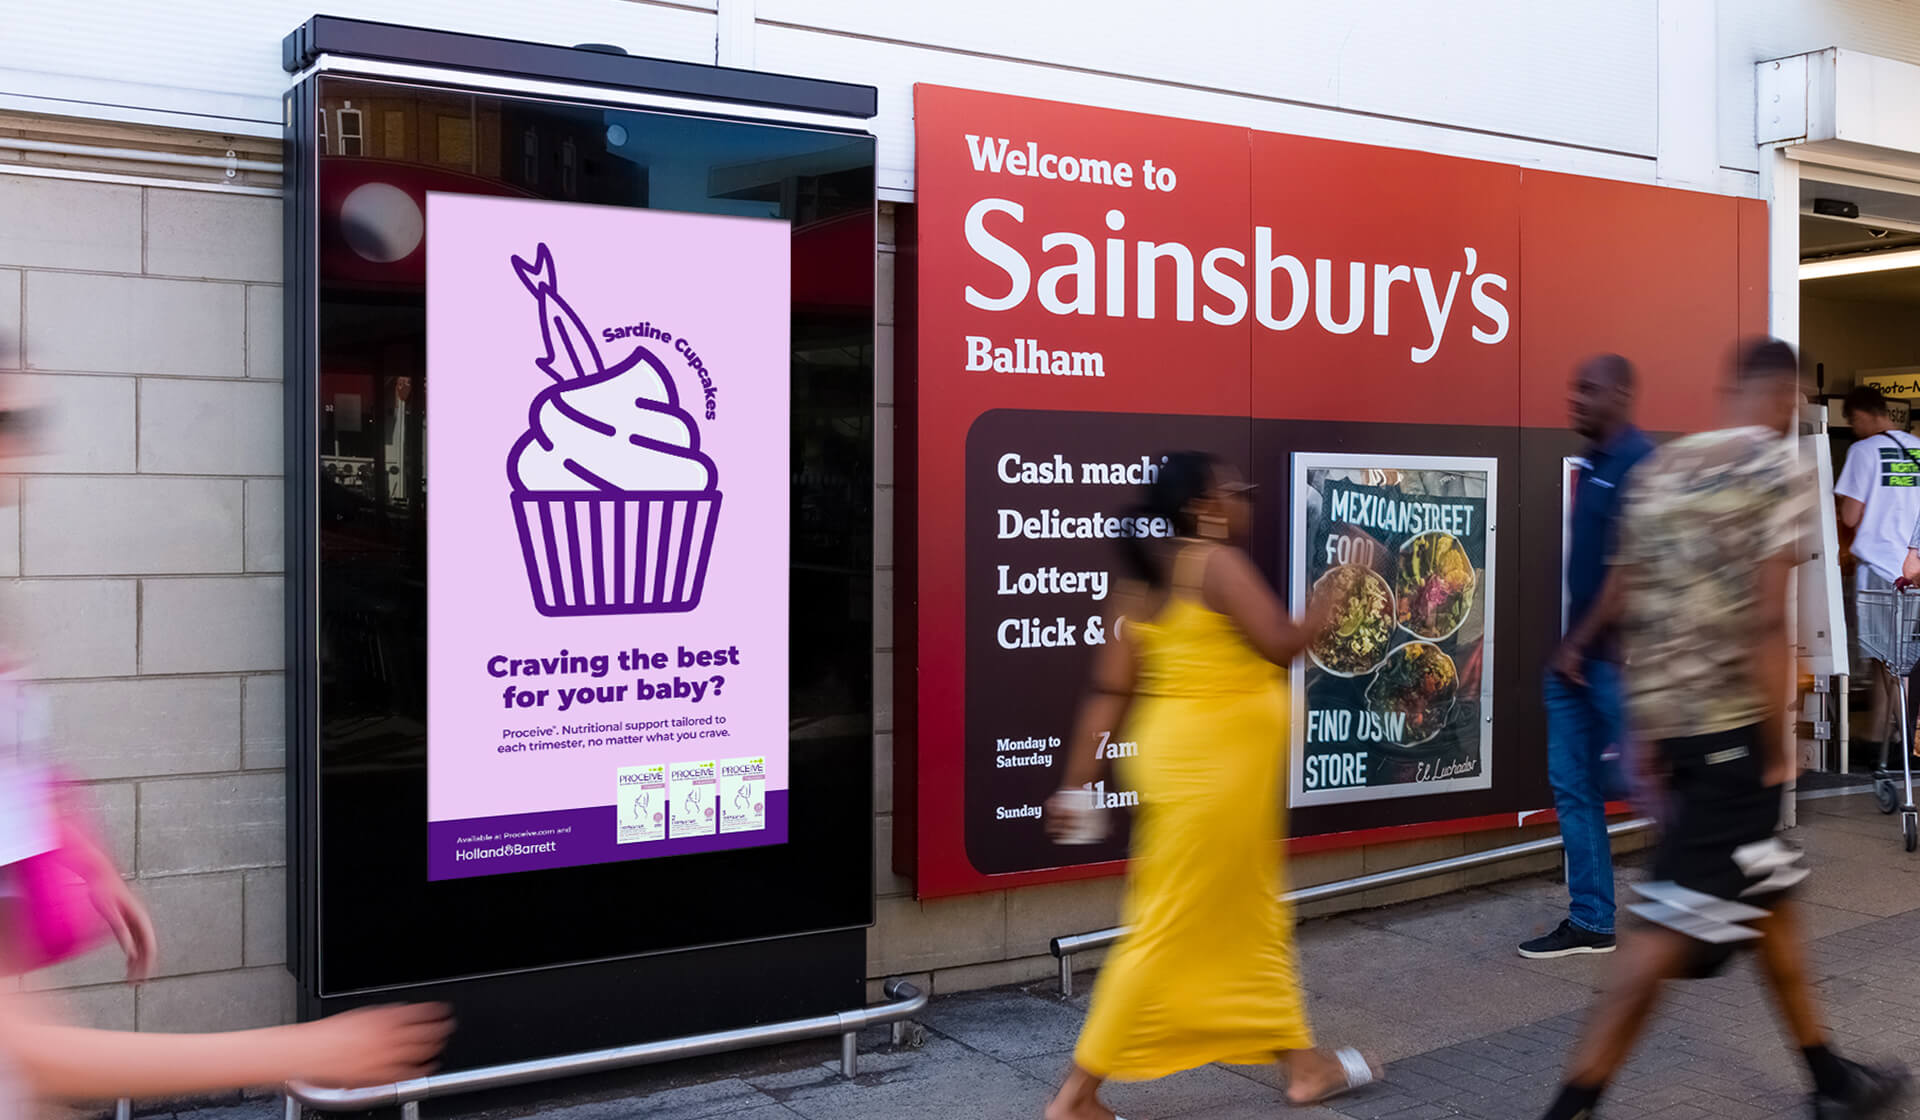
x=621 y=431
x=614 y=430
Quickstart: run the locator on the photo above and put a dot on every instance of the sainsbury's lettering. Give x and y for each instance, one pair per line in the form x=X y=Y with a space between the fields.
x=1074 y=284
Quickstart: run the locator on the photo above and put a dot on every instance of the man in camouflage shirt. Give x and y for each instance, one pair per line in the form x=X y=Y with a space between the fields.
x=1707 y=546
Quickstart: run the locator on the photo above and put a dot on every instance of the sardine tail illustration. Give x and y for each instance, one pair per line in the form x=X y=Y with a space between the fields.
x=539 y=274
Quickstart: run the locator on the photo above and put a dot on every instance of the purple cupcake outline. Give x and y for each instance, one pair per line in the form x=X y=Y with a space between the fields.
x=591 y=546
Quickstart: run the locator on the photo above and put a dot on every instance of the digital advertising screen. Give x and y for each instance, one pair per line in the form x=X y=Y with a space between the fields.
x=579 y=426
x=607 y=541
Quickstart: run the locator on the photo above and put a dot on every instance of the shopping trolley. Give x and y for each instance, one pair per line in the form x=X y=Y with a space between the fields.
x=1890 y=633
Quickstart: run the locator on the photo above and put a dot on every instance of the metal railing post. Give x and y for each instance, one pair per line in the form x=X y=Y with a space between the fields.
x=850 y=1055
x=1843 y=733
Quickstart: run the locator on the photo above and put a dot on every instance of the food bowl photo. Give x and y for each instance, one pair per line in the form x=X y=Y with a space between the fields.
x=1434 y=583
x=1359 y=629
x=1417 y=680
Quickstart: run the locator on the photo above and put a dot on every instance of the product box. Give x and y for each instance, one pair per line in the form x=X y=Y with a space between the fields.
x=640 y=803
x=743 y=794
x=693 y=788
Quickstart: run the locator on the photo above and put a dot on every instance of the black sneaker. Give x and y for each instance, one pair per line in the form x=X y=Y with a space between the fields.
x=1565 y=941
x=1869 y=1089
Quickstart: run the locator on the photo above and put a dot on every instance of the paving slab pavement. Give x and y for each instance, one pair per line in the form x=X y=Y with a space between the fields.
x=1469 y=1029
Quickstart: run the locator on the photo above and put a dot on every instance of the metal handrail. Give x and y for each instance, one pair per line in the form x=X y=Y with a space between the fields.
x=1065 y=947
x=905 y=1000
x=138 y=155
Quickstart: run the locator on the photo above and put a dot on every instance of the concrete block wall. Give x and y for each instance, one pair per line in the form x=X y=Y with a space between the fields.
x=142 y=555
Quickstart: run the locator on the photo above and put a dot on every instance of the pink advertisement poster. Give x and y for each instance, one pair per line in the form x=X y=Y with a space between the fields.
x=607 y=534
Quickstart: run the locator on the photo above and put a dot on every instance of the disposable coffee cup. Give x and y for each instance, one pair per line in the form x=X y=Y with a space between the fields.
x=1084 y=824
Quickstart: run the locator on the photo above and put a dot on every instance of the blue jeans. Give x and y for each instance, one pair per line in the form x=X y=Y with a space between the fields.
x=1584 y=723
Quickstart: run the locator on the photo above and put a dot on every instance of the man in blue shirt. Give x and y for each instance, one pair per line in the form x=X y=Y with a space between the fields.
x=1583 y=696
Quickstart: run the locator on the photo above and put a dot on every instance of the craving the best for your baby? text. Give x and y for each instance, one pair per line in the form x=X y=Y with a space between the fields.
x=1076 y=277
x=691 y=689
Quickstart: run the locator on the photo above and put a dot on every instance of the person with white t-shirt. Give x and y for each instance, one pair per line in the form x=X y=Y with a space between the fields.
x=1879 y=492
x=1879 y=489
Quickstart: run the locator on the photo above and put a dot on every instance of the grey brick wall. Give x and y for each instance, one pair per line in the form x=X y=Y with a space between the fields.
x=142 y=558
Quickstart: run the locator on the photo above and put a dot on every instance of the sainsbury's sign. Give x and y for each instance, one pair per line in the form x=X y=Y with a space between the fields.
x=1095 y=288
x=1063 y=272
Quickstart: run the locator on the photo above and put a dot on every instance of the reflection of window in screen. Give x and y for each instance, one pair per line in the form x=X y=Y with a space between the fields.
x=349 y=131
x=569 y=172
x=456 y=141
x=530 y=157
x=395 y=123
x=323 y=132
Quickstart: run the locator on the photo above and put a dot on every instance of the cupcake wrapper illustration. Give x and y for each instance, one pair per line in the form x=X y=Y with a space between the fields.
x=592 y=554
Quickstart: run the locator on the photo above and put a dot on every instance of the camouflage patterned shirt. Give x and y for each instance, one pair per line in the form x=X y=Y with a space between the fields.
x=1700 y=516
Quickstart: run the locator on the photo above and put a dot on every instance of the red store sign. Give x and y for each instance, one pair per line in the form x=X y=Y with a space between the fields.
x=1094 y=288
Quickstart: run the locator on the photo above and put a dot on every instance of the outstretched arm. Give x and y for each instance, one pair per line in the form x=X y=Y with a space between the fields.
x=1235 y=588
x=370 y=1046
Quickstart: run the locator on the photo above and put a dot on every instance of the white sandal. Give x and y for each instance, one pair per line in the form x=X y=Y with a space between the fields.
x=1357 y=1072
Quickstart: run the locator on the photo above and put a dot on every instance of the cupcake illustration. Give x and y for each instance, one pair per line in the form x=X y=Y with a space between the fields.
x=615 y=502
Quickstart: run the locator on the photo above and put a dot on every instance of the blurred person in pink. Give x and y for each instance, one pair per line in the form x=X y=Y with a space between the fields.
x=60 y=892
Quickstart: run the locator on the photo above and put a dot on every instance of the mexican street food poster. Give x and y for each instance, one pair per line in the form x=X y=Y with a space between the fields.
x=1395 y=697
x=607 y=533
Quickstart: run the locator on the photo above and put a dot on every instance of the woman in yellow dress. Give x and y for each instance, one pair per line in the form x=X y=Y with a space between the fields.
x=1193 y=669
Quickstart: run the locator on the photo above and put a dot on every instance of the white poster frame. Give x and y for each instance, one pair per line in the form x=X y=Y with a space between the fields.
x=1298 y=796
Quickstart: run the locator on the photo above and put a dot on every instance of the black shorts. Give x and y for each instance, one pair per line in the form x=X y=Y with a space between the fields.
x=1721 y=842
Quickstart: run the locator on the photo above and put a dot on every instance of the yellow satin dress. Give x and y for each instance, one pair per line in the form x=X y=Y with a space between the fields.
x=1208 y=971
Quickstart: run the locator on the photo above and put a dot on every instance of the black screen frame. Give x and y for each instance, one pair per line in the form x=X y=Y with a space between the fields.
x=362 y=916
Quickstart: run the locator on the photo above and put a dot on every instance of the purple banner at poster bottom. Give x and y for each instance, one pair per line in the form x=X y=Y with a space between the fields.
x=478 y=846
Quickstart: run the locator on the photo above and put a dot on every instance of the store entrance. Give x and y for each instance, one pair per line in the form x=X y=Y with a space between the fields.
x=1860 y=331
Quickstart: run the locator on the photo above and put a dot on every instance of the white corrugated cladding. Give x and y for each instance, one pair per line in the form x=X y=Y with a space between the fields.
x=1753 y=31
x=1568 y=86
x=219 y=60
